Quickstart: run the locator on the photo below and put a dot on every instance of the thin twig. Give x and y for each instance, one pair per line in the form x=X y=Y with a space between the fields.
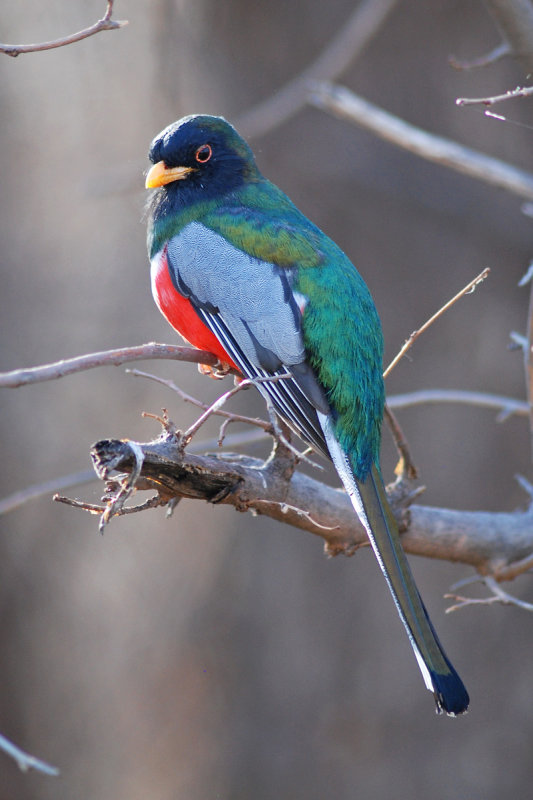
x=525 y=91
x=518 y=341
x=103 y=24
x=272 y=429
x=105 y=358
x=514 y=21
x=99 y=510
x=507 y=406
x=498 y=596
x=215 y=407
x=468 y=289
x=500 y=51
x=24 y=760
x=528 y=365
x=353 y=36
x=526 y=485
x=505 y=597
x=463 y=602
x=282 y=435
x=188 y=398
x=527 y=277
x=345 y=104
x=17 y=499
x=163 y=419
x=222 y=432
x=231 y=440
x=405 y=467
x=300 y=512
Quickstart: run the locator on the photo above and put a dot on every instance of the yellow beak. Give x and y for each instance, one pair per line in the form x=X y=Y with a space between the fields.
x=160 y=174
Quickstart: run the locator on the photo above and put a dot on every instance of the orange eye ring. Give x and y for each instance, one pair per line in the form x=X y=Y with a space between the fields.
x=203 y=154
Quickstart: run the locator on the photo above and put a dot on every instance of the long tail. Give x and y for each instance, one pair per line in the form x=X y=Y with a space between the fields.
x=370 y=502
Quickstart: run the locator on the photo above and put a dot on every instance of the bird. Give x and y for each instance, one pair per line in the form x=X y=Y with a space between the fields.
x=239 y=271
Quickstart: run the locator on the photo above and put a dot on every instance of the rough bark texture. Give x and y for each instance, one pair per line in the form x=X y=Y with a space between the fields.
x=493 y=543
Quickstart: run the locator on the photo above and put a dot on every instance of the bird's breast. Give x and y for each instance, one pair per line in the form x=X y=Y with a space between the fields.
x=179 y=311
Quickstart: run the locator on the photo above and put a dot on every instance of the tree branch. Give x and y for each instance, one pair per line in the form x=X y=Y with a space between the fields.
x=103 y=24
x=344 y=104
x=24 y=760
x=499 y=52
x=524 y=91
x=507 y=406
x=528 y=364
x=496 y=544
x=17 y=499
x=497 y=596
x=468 y=289
x=187 y=398
x=354 y=35
x=514 y=19
x=105 y=358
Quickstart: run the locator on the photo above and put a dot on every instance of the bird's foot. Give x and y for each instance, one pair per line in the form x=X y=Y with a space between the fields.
x=219 y=371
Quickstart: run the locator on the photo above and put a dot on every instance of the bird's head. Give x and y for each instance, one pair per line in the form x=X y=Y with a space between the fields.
x=198 y=158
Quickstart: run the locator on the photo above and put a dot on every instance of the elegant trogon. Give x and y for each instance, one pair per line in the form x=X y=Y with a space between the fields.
x=238 y=270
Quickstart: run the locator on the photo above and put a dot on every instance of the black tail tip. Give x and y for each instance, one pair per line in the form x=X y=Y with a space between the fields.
x=450 y=694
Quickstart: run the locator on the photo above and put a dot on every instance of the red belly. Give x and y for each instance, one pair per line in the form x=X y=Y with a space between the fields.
x=180 y=313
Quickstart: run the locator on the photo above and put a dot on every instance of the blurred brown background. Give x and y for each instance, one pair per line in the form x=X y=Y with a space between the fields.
x=218 y=655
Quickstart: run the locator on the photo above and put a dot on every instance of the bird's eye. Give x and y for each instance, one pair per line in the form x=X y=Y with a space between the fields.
x=203 y=154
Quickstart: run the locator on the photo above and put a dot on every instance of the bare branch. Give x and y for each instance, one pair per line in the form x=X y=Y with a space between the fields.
x=285 y=508
x=18 y=499
x=352 y=38
x=45 y=489
x=507 y=406
x=92 y=508
x=103 y=24
x=216 y=407
x=499 y=52
x=468 y=289
x=528 y=364
x=21 y=377
x=344 y=104
x=24 y=760
x=105 y=358
x=187 y=398
x=514 y=19
x=406 y=467
x=498 y=596
x=527 y=277
x=495 y=544
x=525 y=91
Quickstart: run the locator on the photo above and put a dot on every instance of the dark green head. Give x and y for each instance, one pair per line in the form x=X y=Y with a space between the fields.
x=196 y=159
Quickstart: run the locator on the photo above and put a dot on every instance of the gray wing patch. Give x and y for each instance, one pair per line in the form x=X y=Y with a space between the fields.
x=248 y=304
x=252 y=296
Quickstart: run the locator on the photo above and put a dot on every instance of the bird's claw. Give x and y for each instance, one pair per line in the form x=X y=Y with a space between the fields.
x=219 y=371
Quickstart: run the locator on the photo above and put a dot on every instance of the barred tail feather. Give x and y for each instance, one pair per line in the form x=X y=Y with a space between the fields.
x=370 y=502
